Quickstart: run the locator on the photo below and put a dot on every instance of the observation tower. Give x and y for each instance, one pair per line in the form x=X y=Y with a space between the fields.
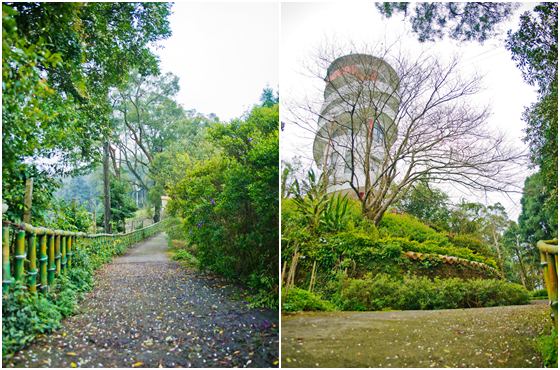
x=356 y=126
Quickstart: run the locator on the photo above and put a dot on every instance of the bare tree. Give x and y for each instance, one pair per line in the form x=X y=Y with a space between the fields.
x=388 y=121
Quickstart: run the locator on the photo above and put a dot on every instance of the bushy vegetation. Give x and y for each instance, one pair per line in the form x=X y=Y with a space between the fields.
x=296 y=299
x=421 y=293
x=25 y=316
x=416 y=236
x=539 y=294
x=185 y=256
x=69 y=216
x=228 y=203
x=548 y=347
x=358 y=266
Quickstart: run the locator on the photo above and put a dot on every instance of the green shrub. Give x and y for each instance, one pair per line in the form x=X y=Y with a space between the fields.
x=473 y=243
x=406 y=226
x=421 y=293
x=296 y=299
x=415 y=236
x=488 y=293
x=450 y=293
x=539 y=294
x=417 y=293
x=264 y=291
x=174 y=229
x=24 y=316
x=185 y=256
x=368 y=294
x=228 y=202
x=548 y=347
x=431 y=247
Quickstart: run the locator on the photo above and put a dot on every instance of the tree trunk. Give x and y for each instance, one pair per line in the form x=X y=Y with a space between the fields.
x=521 y=265
x=157 y=209
x=106 y=189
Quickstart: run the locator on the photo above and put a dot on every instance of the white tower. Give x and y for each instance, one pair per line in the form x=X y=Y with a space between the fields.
x=356 y=125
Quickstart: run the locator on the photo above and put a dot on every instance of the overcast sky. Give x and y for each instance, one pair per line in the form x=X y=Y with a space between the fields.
x=223 y=53
x=305 y=26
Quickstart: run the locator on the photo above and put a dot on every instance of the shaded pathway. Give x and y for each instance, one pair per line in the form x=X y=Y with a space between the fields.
x=148 y=311
x=476 y=337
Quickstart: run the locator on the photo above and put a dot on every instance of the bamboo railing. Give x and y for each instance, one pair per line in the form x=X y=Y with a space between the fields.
x=549 y=262
x=35 y=256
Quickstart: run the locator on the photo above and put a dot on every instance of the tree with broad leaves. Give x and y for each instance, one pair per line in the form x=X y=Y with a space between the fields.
x=146 y=120
x=535 y=49
x=59 y=61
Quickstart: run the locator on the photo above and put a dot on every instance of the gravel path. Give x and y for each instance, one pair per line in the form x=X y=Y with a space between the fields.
x=147 y=311
x=476 y=337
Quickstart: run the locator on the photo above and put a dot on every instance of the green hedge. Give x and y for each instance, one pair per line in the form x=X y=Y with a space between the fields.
x=406 y=226
x=473 y=243
x=420 y=293
x=296 y=299
x=539 y=294
x=429 y=240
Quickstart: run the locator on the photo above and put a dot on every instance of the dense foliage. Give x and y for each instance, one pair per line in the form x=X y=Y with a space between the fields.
x=296 y=299
x=385 y=292
x=229 y=202
x=69 y=216
x=535 y=49
x=354 y=265
x=421 y=293
x=464 y=21
x=122 y=206
x=548 y=346
x=59 y=62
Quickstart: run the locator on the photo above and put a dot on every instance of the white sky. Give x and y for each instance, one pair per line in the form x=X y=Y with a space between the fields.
x=305 y=26
x=224 y=53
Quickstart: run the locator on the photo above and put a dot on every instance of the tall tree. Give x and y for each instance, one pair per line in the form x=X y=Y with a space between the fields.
x=535 y=49
x=534 y=223
x=428 y=204
x=534 y=46
x=148 y=120
x=59 y=61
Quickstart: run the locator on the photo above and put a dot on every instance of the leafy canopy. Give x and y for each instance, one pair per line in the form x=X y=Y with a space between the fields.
x=466 y=21
x=59 y=61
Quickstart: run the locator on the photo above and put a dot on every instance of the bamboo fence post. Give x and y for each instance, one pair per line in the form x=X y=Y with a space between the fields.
x=6 y=273
x=553 y=285
x=57 y=255
x=63 y=258
x=43 y=259
x=544 y=265
x=69 y=252
x=32 y=257
x=52 y=259
x=19 y=268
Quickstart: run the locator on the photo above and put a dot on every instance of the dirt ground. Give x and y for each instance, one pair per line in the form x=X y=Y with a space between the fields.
x=477 y=337
x=147 y=311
